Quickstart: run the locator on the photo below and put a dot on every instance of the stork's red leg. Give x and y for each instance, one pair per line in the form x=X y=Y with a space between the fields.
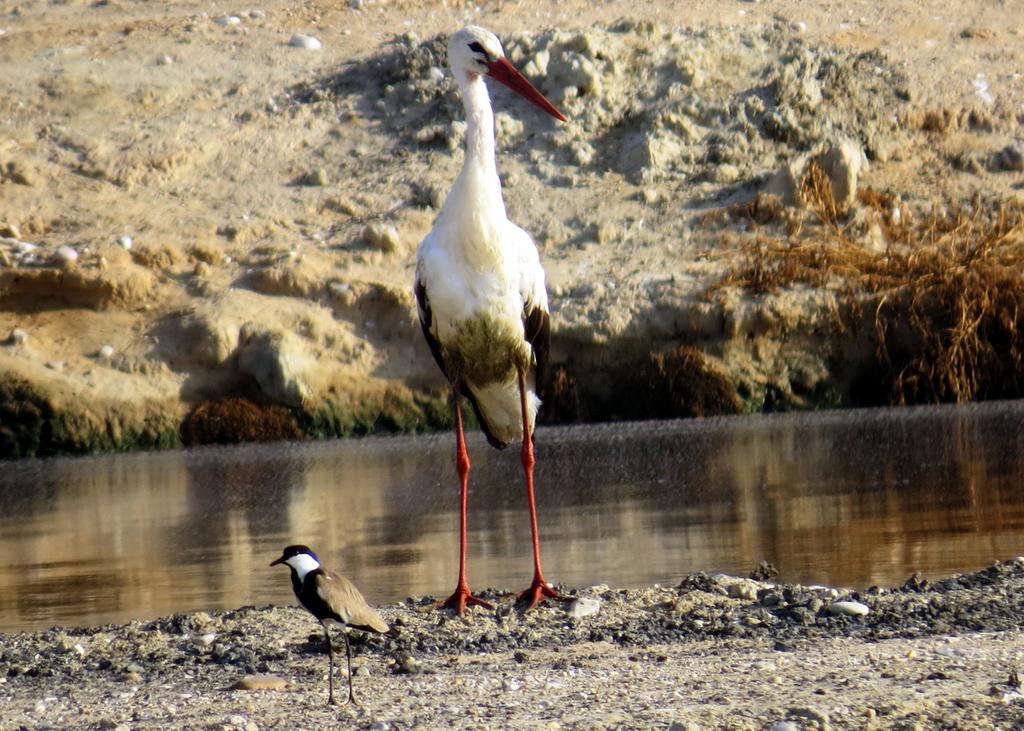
x=462 y=596
x=540 y=589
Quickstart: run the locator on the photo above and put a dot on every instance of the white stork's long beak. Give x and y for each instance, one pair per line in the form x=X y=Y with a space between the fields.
x=502 y=70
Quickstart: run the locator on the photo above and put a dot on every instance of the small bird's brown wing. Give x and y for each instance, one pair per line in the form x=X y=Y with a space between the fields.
x=346 y=603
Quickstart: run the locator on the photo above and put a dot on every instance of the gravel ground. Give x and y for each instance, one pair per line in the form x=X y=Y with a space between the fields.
x=711 y=652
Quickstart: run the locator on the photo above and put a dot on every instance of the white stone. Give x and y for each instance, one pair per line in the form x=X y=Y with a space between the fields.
x=18 y=336
x=848 y=608
x=228 y=20
x=584 y=607
x=125 y=242
x=106 y=352
x=67 y=255
x=205 y=640
x=303 y=41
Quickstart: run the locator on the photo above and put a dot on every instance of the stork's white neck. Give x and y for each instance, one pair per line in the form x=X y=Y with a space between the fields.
x=303 y=563
x=479 y=122
x=477 y=187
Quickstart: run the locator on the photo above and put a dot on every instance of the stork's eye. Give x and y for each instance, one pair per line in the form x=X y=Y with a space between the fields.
x=477 y=48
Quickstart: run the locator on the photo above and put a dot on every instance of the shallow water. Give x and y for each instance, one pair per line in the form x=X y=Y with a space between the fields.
x=852 y=498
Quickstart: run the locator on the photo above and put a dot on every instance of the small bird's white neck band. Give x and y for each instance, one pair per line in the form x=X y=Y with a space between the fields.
x=303 y=563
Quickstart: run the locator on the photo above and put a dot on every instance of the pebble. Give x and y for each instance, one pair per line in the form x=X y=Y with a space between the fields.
x=261 y=682
x=55 y=365
x=125 y=242
x=228 y=20
x=66 y=256
x=164 y=60
x=408 y=665
x=106 y=352
x=205 y=640
x=303 y=41
x=18 y=336
x=785 y=726
x=848 y=608
x=584 y=607
x=810 y=714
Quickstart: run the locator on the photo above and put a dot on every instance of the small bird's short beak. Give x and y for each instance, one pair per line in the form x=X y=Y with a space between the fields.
x=503 y=71
x=276 y=561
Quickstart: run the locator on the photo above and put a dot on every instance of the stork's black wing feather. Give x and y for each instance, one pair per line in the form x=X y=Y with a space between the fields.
x=426 y=319
x=537 y=324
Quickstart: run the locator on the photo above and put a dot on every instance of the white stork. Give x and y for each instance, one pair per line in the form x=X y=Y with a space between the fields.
x=480 y=288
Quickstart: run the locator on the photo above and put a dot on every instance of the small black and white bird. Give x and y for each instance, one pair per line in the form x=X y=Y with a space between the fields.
x=333 y=600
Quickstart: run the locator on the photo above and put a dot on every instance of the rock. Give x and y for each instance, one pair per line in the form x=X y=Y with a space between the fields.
x=584 y=607
x=842 y=163
x=507 y=127
x=261 y=682
x=125 y=242
x=10 y=231
x=313 y=178
x=743 y=589
x=274 y=360
x=406 y=664
x=17 y=172
x=383 y=236
x=784 y=184
x=848 y=608
x=303 y=41
x=228 y=20
x=17 y=337
x=645 y=154
x=344 y=205
x=106 y=352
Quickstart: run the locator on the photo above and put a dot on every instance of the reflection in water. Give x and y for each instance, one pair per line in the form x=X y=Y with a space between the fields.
x=849 y=498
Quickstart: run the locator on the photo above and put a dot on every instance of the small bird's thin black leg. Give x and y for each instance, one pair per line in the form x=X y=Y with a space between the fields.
x=330 y=674
x=348 y=651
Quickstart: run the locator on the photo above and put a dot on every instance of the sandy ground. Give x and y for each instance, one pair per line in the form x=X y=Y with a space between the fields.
x=712 y=652
x=191 y=207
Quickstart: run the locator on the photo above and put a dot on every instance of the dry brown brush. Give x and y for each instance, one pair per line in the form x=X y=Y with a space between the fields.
x=947 y=291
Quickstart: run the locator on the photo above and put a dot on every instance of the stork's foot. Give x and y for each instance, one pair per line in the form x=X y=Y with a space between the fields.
x=538 y=592
x=462 y=598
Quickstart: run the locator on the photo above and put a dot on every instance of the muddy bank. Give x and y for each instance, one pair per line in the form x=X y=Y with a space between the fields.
x=710 y=652
x=207 y=231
